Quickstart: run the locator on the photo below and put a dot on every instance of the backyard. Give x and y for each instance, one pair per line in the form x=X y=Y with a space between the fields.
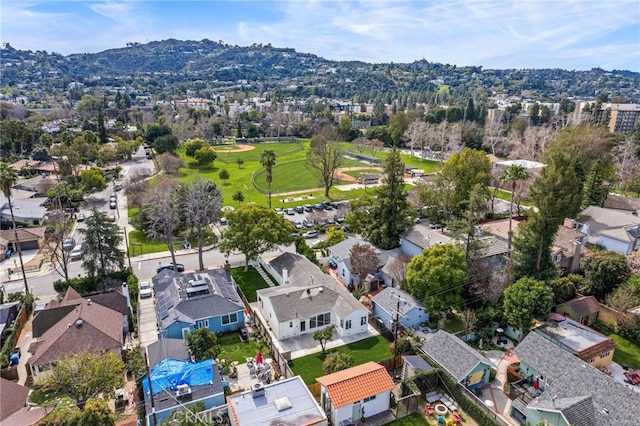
x=233 y=349
x=249 y=282
x=372 y=349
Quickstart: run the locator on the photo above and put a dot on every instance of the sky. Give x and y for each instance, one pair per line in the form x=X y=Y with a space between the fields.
x=498 y=34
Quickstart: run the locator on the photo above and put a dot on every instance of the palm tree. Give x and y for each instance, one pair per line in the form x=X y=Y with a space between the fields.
x=514 y=174
x=268 y=160
x=8 y=178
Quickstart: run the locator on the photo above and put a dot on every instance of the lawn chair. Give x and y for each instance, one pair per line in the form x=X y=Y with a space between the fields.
x=429 y=411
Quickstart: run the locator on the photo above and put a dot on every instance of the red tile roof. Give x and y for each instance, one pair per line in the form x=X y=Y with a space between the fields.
x=356 y=383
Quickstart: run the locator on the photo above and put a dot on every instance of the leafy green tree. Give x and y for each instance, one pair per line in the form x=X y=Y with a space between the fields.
x=325 y=157
x=465 y=227
x=253 y=230
x=565 y=288
x=525 y=300
x=201 y=205
x=191 y=147
x=532 y=249
x=337 y=361
x=203 y=344
x=438 y=276
x=238 y=196
x=64 y=414
x=460 y=174
x=205 y=156
x=268 y=161
x=335 y=235
x=154 y=131
x=167 y=143
x=596 y=186
x=344 y=127
x=359 y=214
x=92 y=180
x=324 y=335
x=303 y=249
x=224 y=174
x=398 y=124
x=604 y=271
x=391 y=213
x=85 y=375
x=239 y=162
x=8 y=179
x=97 y=413
x=101 y=245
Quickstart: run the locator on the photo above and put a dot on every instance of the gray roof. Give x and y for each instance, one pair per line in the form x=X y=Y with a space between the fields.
x=425 y=237
x=607 y=221
x=569 y=377
x=167 y=349
x=454 y=355
x=387 y=299
x=302 y=272
x=417 y=362
x=577 y=410
x=262 y=410
x=342 y=250
x=172 y=302
x=291 y=302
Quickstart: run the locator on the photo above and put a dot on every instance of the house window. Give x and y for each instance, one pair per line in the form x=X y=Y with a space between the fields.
x=343 y=272
x=320 y=320
x=229 y=319
x=604 y=355
x=202 y=323
x=341 y=324
x=557 y=258
x=371 y=398
x=347 y=326
x=363 y=320
x=290 y=324
x=591 y=360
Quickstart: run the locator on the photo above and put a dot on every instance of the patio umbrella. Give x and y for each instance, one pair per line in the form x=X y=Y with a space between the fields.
x=259 y=357
x=536 y=384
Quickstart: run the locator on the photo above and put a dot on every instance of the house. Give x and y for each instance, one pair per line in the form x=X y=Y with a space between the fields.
x=392 y=303
x=355 y=393
x=412 y=365
x=583 y=309
x=341 y=254
x=8 y=314
x=186 y=302
x=87 y=327
x=290 y=311
x=173 y=384
x=29 y=238
x=56 y=310
x=284 y=402
x=14 y=410
x=421 y=237
x=167 y=348
x=620 y=202
x=579 y=340
x=612 y=229
x=464 y=363
x=27 y=208
x=560 y=389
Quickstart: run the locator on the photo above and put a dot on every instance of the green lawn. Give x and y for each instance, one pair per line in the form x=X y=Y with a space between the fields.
x=506 y=196
x=415 y=419
x=627 y=352
x=249 y=282
x=371 y=349
x=233 y=349
x=149 y=246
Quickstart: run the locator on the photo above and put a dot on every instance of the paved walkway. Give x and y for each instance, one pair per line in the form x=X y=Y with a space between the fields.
x=258 y=267
x=494 y=392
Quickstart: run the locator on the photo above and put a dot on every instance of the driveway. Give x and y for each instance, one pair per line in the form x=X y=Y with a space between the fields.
x=147 y=322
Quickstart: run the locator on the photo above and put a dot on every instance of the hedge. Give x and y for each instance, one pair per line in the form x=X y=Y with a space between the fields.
x=88 y=285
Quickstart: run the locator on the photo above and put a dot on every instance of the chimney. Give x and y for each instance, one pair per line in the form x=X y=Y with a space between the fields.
x=88 y=301
x=569 y=223
x=577 y=251
x=227 y=265
x=285 y=276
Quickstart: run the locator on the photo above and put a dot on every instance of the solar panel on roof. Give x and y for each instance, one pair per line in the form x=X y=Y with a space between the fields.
x=164 y=314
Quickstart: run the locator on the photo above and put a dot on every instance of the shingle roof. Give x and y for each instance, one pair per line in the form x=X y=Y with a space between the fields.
x=12 y=398
x=417 y=362
x=167 y=348
x=603 y=220
x=100 y=328
x=387 y=299
x=583 y=306
x=454 y=355
x=577 y=410
x=114 y=300
x=424 y=237
x=569 y=377
x=356 y=383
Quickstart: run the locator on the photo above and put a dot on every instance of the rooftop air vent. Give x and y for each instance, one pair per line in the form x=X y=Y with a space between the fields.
x=257 y=390
x=79 y=323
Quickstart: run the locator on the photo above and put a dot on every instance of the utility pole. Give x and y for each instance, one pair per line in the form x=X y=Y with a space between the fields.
x=126 y=241
x=397 y=326
x=153 y=408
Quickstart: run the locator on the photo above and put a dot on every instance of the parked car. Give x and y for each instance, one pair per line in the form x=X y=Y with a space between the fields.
x=111 y=218
x=223 y=221
x=68 y=244
x=298 y=224
x=145 y=290
x=299 y=209
x=76 y=253
x=112 y=205
x=333 y=264
x=310 y=234
x=179 y=267
x=80 y=217
x=291 y=212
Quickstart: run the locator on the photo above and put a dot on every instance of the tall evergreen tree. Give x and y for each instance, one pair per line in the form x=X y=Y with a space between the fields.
x=391 y=213
x=101 y=245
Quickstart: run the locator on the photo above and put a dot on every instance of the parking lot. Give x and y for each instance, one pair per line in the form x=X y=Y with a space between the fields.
x=312 y=220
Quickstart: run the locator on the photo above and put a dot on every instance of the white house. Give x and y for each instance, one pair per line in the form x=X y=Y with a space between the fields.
x=355 y=393
x=612 y=229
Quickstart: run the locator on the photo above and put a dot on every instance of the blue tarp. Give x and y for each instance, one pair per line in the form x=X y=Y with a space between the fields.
x=170 y=373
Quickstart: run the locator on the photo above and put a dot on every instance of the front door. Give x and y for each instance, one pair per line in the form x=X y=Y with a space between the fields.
x=357 y=411
x=303 y=326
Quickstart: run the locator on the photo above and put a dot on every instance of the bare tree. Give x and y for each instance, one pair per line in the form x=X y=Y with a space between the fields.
x=163 y=214
x=59 y=226
x=488 y=285
x=325 y=157
x=398 y=269
x=469 y=321
x=454 y=143
x=375 y=145
x=169 y=163
x=201 y=204
x=417 y=135
x=364 y=260
x=627 y=164
x=493 y=138
x=532 y=144
x=360 y=144
x=622 y=299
